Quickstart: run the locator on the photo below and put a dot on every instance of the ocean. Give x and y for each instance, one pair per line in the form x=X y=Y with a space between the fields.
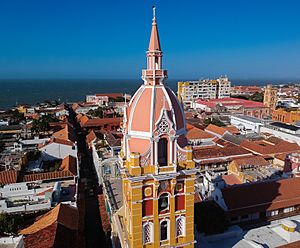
x=32 y=91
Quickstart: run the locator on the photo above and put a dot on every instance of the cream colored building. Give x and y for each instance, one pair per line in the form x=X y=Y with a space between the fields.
x=190 y=91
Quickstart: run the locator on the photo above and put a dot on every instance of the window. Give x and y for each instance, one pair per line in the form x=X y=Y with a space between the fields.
x=164 y=230
x=288 y=210
x=148 y=232
x=180 y=226
x=163 y=152
x=272 y=213
x=163 y=202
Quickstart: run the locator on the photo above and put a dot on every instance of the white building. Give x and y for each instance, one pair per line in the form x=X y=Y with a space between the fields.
x=246 y=124
x=22 y=197
x=58 y=149
x=190 y=91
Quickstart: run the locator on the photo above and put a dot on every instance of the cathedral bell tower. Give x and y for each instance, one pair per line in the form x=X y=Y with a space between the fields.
x=158 y=170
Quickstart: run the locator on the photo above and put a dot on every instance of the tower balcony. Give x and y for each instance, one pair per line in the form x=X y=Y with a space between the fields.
x=154 y=74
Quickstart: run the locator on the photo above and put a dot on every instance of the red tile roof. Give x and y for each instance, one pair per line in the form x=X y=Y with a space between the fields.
x=56 y=228
x=231 y=102
x=215 y=129
x=251 y=160
x=264 y=147
x=9 y=176
x=103 y=214
x=196 y=133
x=216 y=152
x=67 y=169
x=231 y=179
x=258 y=197
x=96 y=122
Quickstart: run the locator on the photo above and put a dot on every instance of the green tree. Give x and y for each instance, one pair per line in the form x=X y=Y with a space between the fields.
x=257 y=97
x=10 y=223
x=213 y=121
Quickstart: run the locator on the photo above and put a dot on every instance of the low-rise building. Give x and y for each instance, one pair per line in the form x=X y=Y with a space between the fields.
x=258 y=202
x=233 y=106
x=288 y=117
x=246 y=124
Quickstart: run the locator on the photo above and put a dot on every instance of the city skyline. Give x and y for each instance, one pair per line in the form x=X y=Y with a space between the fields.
x=105 y=40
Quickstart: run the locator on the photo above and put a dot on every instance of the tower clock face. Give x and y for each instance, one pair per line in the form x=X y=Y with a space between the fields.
x=164 y=185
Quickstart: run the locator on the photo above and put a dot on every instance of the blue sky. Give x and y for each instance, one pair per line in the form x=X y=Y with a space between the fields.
x=108 y=39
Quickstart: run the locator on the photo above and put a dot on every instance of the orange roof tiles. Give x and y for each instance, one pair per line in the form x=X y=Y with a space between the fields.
x=219 y=152
x=259 y=197
x=231 y=179
x=63 y=214
x=196 y=133
x=251 y=160
x=102 y=121
x=264 y=147
x=90 y=137
x=103 y=214
x=69 y=163
x=9 y=176
x=215 y=129
x=57 y=228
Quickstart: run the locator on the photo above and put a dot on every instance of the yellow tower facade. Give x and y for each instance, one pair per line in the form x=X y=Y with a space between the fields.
x=158 y=170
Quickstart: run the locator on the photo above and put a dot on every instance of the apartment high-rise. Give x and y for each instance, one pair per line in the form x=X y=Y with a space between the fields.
x=189 y=91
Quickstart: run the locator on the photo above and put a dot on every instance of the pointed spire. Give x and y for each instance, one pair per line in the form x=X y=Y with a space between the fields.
x=154 y=43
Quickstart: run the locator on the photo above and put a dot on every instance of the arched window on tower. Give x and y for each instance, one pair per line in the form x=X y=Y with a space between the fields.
x=163 y=152
x=156 y=63
x=163 y=202
x=164 y=230
x=180 y=226
x=147 y=232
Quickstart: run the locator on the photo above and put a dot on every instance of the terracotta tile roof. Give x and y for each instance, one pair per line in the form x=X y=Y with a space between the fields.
x=258 y=197
x=83 y=120
x=102 y=121
x=215 y=129
x=103 y=214
x=69 y=163
x=231 y=179
x=9 y=176
x=262 y=147
x=251 y=160
x=66 y=133
x=63 y=214
x=281 y=156
x=231 y=102
x=47 y=176
x=196 y=133
x=57 y=228
x=217 y=152
x=90 y=137
x=232 y=129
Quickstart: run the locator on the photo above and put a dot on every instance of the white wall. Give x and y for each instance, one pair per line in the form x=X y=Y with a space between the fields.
x=54 y=151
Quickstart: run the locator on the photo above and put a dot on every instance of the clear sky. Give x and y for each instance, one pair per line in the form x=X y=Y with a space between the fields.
x=108 y=39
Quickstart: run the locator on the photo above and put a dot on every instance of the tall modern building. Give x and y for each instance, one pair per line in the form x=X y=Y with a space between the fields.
x=158 y=170
x=190 y=91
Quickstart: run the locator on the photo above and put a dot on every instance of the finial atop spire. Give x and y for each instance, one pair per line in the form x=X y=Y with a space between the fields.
x=154 y=44
x=154 y=14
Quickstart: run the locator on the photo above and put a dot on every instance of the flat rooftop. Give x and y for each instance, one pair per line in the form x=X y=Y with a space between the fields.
x=265 y=236
x=248 y=118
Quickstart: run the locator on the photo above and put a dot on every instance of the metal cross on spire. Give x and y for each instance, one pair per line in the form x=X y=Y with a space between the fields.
x=154 y=14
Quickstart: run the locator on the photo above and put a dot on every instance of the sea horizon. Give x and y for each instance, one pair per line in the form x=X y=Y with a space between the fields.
x=32 y=91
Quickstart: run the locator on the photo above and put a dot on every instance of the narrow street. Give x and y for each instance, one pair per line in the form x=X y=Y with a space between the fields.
x=94 y=235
